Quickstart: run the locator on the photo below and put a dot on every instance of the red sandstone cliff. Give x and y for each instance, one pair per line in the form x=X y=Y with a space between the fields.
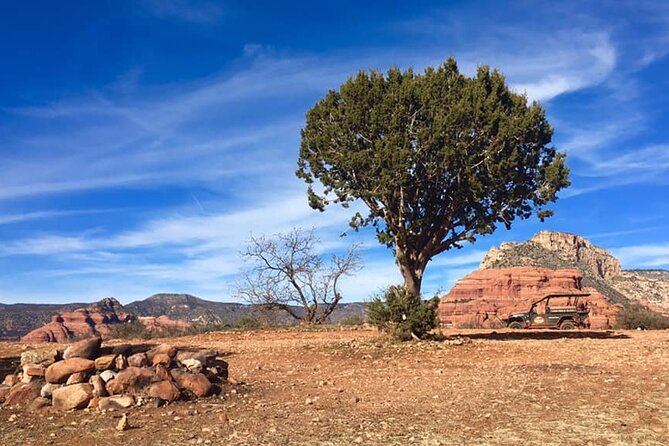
x=498 y=292
x=80 y=323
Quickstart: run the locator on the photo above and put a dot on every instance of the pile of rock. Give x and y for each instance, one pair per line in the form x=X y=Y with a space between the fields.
x=89 y=375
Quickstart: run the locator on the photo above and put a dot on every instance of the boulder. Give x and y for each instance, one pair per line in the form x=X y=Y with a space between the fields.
x=75 y=396
x=4 y=391
x=164 y=390
x=77 y=378
x=138 y=360
x=58 y=372
x=163 y=373
x=88 y=348
x=116 y=402
x=204 y=356
x=98 y=384
x=169 y=350
x=38 y=404
x=23 y=394
x=162 y=359
x=11 y=380
x=104 y=362
x=196 y=383
x=33 y=370
x=130 y=381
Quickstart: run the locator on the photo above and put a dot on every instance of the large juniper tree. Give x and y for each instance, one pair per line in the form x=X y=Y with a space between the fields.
x=438 y=158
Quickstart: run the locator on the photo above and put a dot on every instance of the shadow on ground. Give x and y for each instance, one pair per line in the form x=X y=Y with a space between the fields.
x=542 y=335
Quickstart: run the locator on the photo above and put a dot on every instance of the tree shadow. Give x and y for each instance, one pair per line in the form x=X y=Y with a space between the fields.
x=541 y=335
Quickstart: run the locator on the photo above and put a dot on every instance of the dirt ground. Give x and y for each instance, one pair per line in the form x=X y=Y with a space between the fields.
x=345 y=387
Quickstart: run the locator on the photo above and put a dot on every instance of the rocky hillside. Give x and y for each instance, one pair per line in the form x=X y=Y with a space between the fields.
x=601 y=270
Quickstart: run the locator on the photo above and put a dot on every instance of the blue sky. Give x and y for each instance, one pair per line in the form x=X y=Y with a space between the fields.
x=142 y=142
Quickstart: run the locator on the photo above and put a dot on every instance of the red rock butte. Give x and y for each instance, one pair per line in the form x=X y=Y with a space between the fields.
x=480 y=298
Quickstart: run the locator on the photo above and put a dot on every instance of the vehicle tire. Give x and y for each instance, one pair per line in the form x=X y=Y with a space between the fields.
x=567 y=325
x=515 y=325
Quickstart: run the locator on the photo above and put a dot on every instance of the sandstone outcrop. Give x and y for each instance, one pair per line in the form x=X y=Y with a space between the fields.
x=601 y=270
x=483 y=296
x=93 y=320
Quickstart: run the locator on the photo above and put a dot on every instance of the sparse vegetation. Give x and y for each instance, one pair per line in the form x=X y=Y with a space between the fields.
x=403 y=314
x=635 y=316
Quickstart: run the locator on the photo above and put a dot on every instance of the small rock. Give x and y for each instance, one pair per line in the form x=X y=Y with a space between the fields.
x=123 y=423
x=47 y=389
x=107 y=375
x=192 y=365
x=120 y=362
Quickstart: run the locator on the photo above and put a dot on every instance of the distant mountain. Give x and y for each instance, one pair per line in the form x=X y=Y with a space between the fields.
x=601 y=270
x=17 y=320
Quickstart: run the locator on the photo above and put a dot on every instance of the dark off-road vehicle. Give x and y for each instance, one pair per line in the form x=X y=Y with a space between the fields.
x=555 y=310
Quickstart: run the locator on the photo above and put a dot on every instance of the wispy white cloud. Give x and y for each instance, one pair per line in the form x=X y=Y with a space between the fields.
x=42 y=215
x=643 y=256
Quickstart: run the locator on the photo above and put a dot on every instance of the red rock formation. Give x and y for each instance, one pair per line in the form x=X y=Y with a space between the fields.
x=503 y=291
x=81 y=323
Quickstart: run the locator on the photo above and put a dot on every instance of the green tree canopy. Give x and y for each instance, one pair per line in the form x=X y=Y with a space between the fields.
x=438 y=158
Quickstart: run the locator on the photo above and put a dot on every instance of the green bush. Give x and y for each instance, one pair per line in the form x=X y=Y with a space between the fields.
x=634 y=316
x=129 y=330
x=402 y=314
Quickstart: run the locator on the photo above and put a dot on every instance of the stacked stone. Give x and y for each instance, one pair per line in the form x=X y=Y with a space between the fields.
x=89 y=375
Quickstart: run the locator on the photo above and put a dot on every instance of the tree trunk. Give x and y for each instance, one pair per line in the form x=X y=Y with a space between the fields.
x=412 y=272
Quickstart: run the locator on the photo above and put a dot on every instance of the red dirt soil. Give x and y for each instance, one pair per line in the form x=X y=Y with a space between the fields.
x=357 y=387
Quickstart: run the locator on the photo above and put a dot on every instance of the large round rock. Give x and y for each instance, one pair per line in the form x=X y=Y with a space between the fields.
x=88 y=348
x=58 y=372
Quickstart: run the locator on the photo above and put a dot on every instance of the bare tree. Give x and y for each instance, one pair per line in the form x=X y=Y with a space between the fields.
x=286 y=271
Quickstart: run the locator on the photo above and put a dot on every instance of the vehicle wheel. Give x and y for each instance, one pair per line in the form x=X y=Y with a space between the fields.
x=567 y=325
x=515 y=325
